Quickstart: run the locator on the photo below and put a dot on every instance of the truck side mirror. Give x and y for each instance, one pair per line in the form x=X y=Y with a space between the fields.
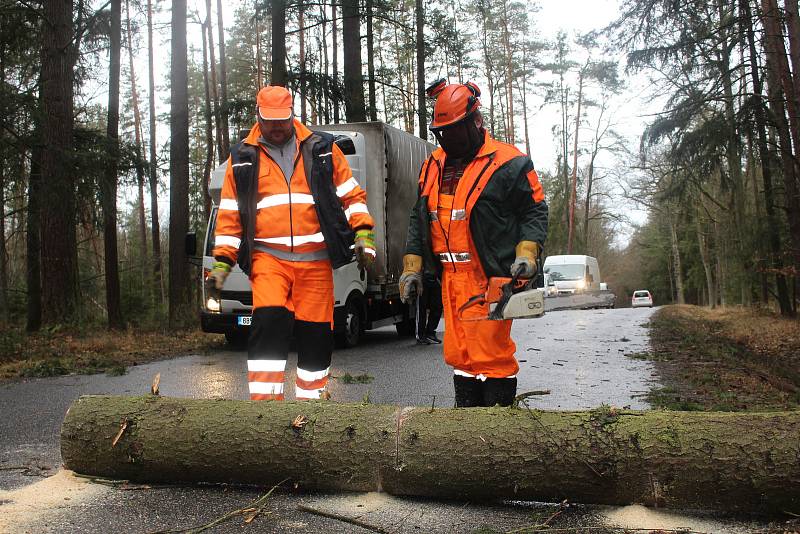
x=190 y=244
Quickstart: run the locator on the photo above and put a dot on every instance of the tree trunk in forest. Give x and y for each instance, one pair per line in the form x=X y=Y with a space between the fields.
x=746 y=20
x=108 y=188
x=59 y=253
x=509 y=74
x=33 y=236
x=335 y=73
x=3 y=251
x=676 y=262
x=155 y=226
x=373 y=99
x=213 y=85
x=137 y=127
x=703 y=246
x=422 y=110
x=588 y=204
x=326 y=90
x=774 y=51
x=209 y=130
x=574 y=186
x=259 y=66
x=279 y=75
x=790 y=90
x=354 y=106
x=720 y=254
x=733 y=147
x=708 y=460
x=223 y=86
x=179 y=311
x=302 y=35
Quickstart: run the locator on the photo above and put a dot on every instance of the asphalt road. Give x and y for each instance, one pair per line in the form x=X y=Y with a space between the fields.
x=580 y=356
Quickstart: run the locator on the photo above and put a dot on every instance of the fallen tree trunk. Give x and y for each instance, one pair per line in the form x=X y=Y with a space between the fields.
x=730 y=461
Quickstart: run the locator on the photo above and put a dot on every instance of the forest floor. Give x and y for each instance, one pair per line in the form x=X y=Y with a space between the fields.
x=729 y=359
x=61 y=350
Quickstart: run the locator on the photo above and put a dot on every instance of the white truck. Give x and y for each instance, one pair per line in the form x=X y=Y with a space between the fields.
x=386 y=162
x=575 y=279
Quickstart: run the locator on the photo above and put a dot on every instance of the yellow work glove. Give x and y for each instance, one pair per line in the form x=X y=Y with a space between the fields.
x=527 y=252
x=411 y=279
x=365 y=248
x=216 y=278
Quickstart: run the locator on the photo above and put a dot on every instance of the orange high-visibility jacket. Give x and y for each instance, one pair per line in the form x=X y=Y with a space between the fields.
x=286 y=218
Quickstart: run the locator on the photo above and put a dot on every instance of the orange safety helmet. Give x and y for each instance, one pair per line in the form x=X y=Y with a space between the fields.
x=454 y=102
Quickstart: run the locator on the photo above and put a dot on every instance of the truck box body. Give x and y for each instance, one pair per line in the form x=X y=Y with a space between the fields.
x=386 y=162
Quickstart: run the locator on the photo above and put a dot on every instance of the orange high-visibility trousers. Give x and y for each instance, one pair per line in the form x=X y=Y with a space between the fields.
x=481 y=349
x=290 y=298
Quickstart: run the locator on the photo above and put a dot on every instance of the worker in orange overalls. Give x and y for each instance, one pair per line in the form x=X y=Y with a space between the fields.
x=290 y=212
x=481 y=213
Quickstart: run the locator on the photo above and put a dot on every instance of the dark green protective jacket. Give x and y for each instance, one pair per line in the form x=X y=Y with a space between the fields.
x=504 y=214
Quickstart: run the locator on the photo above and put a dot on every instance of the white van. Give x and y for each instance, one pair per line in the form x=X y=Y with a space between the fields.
x=386 y=162
x=573 y=273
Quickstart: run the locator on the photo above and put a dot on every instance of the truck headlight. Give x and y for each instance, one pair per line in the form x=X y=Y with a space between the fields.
x=212 y=304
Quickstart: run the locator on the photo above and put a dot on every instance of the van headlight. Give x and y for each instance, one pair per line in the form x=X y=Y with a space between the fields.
x=212 y=304
x=581 y=284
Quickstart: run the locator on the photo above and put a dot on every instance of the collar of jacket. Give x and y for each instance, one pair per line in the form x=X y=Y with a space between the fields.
x=300 y=130
x=490 y=146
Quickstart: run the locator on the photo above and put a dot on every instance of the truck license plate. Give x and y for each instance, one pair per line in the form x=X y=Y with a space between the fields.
x=244 y=320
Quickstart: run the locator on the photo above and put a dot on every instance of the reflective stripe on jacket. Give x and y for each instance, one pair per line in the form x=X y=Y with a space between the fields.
x=319 y=207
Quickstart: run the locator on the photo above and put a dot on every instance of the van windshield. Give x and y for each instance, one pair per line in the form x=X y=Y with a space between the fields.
x=567 y=272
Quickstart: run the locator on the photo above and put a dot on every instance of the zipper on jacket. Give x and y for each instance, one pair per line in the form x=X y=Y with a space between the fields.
x=288 y=188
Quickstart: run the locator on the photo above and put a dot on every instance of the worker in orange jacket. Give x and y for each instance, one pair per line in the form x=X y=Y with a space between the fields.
x=481 y=213
x=290 y=211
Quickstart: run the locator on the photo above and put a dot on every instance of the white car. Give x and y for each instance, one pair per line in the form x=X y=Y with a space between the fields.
x=641 y=298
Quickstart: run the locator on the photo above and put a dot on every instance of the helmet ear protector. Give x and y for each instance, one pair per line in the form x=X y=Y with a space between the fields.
x=475 y=94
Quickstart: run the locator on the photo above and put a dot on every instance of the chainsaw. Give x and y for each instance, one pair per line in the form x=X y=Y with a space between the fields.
x=508 y=298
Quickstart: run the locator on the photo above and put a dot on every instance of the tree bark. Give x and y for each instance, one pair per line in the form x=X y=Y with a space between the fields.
x=108 y=189
x=158 y=275
x=137 y=127
x=179 y=313
x=706 y=460
x=335 y=64
x=302 y=35
x=33 y=236
x=3 y=250
x=775 y=58
x=574 y=185
x=422 y=110
x=373 y=98
x=702 y=244
x=746 y=20
x=676 y=261
x=223 y=86
x=354 y=106
x=59 y=253
x=209 y=129
x=213 y=85
x=279 y=74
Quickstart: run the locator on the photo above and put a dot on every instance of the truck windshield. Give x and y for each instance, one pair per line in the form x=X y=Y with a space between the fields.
x=567 y=272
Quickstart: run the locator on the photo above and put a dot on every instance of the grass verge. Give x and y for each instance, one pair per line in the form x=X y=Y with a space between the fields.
x=61 y=351
x=728 y=359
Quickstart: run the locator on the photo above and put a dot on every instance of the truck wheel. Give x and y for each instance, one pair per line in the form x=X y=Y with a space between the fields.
x=353 y=325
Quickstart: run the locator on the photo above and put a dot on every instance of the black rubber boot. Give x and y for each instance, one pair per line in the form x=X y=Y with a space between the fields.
x=469 y=391
x=499 y=391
